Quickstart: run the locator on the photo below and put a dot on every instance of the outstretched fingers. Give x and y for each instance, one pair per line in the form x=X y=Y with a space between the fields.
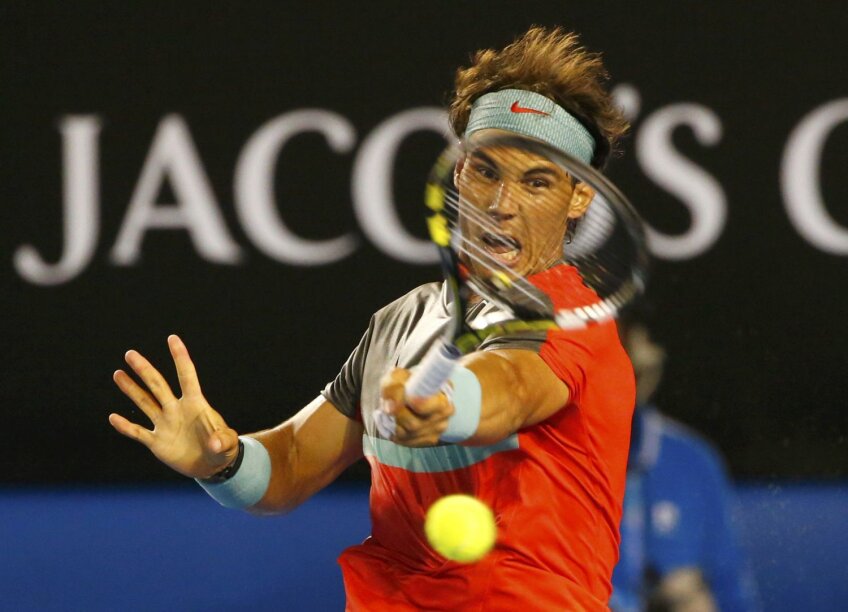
x=131 y=430
x=139 y=396
x=152 y=378
x=185 y=367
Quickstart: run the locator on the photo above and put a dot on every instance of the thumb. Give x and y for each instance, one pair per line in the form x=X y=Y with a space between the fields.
x=392 y=387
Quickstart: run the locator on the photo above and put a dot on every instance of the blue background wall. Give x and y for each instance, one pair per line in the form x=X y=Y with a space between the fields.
x=175 y=549
x=737 y=318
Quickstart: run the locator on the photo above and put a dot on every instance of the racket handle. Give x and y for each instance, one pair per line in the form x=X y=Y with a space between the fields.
x=433 y=371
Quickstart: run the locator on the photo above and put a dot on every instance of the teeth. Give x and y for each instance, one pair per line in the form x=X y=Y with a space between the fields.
x=499 y=241
x=503 y=248
x=508 y=256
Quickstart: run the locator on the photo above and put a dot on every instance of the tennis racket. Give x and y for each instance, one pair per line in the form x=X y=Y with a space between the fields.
x=548 y=239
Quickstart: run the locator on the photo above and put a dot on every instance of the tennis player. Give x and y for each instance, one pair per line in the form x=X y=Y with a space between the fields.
x=537 y=425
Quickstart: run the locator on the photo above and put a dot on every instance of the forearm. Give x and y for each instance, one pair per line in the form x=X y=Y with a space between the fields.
x=518 y=390
x=284 y=491
x=307 y=453
x=501 y=390
x=491 y=395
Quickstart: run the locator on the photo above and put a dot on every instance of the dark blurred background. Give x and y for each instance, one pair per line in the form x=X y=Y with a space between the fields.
x=160 y=101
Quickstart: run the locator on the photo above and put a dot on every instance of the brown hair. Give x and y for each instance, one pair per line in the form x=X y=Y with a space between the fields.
x=550 y=62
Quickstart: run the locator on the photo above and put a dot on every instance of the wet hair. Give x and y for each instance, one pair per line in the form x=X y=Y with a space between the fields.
x=550 y=62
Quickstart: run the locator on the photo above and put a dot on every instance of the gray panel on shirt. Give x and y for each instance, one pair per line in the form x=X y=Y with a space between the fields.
x=399 y=336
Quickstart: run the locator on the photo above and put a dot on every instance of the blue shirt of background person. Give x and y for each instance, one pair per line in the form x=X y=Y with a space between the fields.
x=678 y=543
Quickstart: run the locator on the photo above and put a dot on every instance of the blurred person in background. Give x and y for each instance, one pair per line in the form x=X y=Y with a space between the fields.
x=679 y=551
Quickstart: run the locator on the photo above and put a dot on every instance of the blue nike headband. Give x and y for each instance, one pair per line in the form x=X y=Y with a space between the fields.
x=531 y=114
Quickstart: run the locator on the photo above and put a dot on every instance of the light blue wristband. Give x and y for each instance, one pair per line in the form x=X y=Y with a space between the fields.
x=466 y=395
x=249 y=484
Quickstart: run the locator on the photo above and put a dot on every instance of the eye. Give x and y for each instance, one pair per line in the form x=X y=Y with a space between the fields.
x=486 y=172
x=538 y=183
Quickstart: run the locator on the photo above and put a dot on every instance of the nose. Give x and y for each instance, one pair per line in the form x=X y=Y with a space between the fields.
x=504 y=204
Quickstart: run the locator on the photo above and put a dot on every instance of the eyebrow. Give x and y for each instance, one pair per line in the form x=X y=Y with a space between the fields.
x=543 y=170
x=483 y=157
x=534 y=170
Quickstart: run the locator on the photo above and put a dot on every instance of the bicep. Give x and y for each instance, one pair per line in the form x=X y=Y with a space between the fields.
x=519 y=390
x=308 y=452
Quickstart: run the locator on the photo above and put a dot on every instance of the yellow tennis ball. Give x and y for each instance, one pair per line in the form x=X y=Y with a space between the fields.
x=460 y=528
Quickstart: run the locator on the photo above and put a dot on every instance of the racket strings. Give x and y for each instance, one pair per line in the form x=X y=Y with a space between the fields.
x=479 y=255
x=517 y=284
x=592 y=231
x=606 y=248
x=591 y=234
x=605 y=271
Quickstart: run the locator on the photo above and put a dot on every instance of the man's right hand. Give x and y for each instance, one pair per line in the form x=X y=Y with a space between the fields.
x=188 y=435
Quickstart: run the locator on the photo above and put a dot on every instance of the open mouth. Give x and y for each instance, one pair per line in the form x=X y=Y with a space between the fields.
x=502 y=247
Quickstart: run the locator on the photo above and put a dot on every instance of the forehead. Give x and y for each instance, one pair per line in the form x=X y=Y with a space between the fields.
x=501 y=154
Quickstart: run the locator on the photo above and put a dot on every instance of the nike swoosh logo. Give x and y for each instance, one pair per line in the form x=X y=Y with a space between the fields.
x=522 y=109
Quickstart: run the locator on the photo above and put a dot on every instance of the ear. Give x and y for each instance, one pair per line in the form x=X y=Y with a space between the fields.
x=581 y=197
x=460 y=164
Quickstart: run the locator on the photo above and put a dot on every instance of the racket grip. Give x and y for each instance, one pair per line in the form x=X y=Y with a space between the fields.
x=433 y=371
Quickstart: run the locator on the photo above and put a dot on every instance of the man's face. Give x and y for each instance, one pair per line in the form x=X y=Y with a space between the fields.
x=515 y=207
